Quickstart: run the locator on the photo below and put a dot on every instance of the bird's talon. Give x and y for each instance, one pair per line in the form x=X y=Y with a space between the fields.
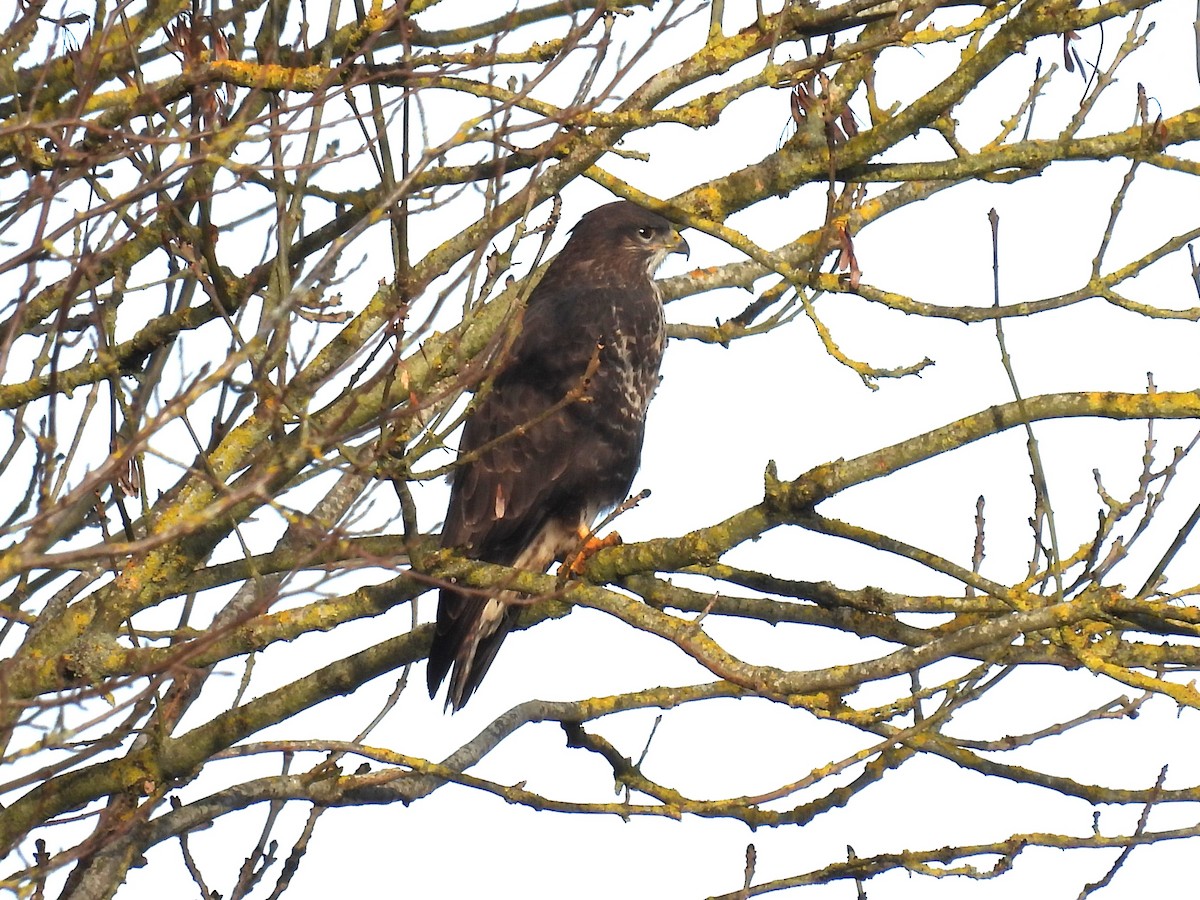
x=591 y=546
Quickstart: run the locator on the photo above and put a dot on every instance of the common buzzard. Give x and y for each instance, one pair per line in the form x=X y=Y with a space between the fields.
x=557 y=439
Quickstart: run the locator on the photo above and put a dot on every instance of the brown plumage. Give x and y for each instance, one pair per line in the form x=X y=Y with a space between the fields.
x=555 y=466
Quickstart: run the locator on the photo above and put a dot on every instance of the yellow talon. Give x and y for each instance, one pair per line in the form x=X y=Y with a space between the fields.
x=591 y=545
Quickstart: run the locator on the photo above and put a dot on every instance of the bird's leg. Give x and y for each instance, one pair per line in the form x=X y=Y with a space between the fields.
x=589 y=546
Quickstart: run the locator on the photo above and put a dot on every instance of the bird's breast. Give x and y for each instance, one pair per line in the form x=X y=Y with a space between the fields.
x=634 y=355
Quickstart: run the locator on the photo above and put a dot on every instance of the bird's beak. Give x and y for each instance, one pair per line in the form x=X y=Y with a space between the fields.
x=678 y=245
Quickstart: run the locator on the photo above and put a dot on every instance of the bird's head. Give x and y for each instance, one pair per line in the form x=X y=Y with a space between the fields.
x=630 y=231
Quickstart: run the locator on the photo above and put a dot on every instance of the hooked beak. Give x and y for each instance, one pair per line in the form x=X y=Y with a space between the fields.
x=678 y=245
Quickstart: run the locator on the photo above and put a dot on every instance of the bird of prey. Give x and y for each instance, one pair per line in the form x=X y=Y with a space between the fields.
x=558 y=438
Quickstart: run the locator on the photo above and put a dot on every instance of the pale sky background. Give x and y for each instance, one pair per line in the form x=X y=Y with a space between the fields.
x=718 y=418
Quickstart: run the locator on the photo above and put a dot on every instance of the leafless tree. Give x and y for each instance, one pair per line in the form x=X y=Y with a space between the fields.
x=255 y=252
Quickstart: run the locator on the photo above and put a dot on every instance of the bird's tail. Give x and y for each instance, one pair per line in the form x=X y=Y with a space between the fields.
x=469 y=632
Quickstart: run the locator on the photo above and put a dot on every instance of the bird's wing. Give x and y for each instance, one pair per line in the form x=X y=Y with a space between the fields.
x=525 y=447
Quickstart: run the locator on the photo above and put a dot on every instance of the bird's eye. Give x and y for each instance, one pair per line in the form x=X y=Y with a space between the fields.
x=645 y=233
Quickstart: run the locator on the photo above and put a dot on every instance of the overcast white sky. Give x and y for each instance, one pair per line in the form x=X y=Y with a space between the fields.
x=719 y=417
